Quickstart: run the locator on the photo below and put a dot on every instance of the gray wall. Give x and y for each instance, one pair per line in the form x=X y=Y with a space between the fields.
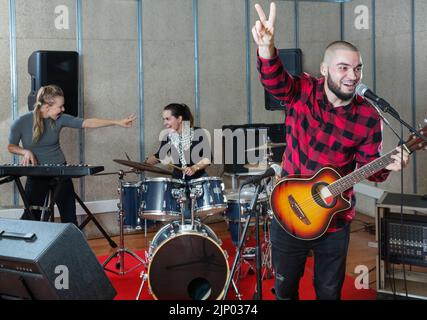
x=5 y=96
x=110 y=52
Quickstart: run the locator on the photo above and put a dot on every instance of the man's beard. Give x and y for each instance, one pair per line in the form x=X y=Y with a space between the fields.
x=337 y=91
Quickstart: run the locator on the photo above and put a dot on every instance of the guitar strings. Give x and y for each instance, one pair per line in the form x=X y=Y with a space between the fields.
x=309 y=201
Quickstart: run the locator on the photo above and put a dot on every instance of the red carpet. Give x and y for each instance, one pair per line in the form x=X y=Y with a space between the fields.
x=127 y=285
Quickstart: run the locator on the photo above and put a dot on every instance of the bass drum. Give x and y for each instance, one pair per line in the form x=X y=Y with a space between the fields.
x=187 y=263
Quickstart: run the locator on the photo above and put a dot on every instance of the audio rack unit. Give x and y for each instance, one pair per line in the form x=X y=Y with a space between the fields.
x=402 y=245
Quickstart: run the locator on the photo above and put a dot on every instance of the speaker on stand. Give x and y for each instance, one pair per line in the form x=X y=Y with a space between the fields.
x=55 y=67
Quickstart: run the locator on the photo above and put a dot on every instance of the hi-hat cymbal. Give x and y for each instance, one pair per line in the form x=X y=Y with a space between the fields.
x=268 y=145
x=258 y=166
x=142 y=166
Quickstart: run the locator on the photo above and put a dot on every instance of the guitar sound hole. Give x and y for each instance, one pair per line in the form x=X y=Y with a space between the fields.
x=321 y=201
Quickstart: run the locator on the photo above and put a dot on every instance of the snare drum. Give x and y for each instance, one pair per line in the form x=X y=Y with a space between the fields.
x=211 y=199
x=236 y=215
x=187 y=263
x=159 y=199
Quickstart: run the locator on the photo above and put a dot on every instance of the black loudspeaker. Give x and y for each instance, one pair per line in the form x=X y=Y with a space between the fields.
x=44 y=260
x=292 y=61
x=55 y=67
x=239 y=138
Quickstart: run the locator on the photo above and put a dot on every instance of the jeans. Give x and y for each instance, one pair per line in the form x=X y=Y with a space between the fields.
x=36 y=190
x=289 y=256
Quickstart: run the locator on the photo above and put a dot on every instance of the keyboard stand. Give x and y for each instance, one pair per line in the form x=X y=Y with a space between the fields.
x=90 y=217
x=31 y=216
x=24 y=199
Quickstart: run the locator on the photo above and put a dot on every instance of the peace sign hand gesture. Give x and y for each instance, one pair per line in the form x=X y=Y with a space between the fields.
x=263 y=31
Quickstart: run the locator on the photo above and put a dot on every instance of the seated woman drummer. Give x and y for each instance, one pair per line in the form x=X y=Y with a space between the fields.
x=185 y=147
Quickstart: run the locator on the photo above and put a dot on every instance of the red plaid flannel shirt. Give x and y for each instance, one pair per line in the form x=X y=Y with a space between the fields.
x=319 y=134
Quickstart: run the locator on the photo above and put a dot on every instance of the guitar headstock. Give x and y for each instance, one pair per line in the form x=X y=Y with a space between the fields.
x=416 y=143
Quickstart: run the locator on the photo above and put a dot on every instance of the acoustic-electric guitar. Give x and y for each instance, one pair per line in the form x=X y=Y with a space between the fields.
x=305 y=206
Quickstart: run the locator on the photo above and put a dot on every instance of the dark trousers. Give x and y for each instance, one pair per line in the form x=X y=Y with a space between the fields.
x=36 y=190
x=289 y=256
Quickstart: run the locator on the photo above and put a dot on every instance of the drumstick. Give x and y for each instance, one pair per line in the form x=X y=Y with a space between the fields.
x=171 y=165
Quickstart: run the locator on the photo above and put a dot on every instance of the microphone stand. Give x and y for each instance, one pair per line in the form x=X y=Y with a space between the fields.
x=258 y=294
x=387 y=108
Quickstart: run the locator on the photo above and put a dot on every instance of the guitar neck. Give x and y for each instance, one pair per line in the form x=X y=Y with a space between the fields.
x=361 y=174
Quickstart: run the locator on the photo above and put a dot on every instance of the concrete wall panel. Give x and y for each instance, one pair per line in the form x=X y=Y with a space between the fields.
x=110 y=88
x=168 y=50
x=393 y=74
x=421 y=85
x=6 y=195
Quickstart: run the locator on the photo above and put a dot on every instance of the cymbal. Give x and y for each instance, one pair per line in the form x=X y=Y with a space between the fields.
x=111 y=173
x=268 y=145
x=142 y=166
x=257 y=166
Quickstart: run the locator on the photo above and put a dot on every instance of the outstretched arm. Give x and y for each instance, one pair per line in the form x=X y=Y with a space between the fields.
x=98 y=123
x=263 y=31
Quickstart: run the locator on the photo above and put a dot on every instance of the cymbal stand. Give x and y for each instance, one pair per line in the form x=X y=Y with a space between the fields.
x=144 y=276
x=267 y=264
x=120 y=253
x=266 y=254
x=243 y=260
x=258 y=293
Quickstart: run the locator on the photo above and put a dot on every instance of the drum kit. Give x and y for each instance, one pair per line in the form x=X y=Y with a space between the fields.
x=184 y=260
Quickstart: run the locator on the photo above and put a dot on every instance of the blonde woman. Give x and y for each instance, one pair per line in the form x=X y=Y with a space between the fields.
x=38 y=132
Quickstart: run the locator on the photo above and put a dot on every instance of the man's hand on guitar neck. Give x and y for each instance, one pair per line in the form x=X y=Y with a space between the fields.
x=397 y=157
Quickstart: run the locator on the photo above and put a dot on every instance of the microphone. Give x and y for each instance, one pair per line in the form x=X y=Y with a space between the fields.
x=272 y=171
x=363 y=91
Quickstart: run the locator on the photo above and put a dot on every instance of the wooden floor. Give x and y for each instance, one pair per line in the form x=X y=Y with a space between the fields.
x=360 y=253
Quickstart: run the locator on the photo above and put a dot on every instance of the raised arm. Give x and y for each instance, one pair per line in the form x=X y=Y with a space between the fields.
x=98 y=123
x=263 y=31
